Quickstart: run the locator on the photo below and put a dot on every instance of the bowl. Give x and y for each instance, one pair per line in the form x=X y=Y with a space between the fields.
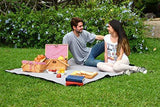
x=50 y=72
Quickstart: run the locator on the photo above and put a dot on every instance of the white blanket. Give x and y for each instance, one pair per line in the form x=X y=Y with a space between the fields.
x=73 y=67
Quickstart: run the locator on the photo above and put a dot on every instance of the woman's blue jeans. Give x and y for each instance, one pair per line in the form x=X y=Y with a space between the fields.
x=97 y=49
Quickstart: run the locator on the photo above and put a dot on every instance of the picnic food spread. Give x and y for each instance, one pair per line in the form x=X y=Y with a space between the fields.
x=55 y=60
x=56 y=65
x=48 y=64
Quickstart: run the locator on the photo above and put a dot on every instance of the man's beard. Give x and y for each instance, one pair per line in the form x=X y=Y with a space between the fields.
x=80 y=31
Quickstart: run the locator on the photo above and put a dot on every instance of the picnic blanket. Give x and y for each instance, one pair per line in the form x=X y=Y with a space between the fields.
x=73 y=67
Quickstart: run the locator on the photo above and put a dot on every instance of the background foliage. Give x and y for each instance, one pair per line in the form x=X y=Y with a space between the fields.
x=149 y=6
x=28 y=28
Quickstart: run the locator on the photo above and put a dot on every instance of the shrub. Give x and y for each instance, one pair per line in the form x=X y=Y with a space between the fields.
x=27 y=28
x=148 y=6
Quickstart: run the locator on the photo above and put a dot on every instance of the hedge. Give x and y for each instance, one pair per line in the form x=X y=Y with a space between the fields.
x=26 y=28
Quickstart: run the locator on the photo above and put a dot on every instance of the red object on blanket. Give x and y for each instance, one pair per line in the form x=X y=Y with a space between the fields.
x=58 y=75
x=73 y=83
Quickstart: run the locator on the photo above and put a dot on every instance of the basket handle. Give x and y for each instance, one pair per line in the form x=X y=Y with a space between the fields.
x=48 y=62
x=63 y=62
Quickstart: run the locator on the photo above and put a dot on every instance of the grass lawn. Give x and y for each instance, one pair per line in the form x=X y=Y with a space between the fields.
x=135 y=90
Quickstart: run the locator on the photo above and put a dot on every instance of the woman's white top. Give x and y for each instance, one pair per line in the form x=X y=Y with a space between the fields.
x=112 y=50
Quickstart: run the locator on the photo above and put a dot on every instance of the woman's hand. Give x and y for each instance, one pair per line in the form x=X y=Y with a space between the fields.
x=105 y=54
x=121 y=54
x=119 y=58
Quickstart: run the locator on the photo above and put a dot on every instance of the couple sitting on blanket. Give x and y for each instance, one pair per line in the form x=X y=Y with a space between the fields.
x=115 y=46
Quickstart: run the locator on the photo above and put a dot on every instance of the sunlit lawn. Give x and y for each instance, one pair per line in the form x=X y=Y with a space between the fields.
x=134 y=90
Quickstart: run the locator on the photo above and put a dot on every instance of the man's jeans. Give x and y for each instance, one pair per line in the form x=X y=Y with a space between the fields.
x=97 y=49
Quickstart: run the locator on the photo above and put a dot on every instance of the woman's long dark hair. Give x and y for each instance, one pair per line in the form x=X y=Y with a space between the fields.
x=122 y=37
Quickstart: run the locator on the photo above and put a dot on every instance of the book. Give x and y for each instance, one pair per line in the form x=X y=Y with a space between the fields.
x=73 y=83
x=75 y=78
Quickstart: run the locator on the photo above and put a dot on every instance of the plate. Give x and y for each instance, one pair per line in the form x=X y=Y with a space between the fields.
x=50 y=72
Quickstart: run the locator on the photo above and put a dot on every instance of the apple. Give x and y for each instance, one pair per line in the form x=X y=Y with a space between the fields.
x=58 y=75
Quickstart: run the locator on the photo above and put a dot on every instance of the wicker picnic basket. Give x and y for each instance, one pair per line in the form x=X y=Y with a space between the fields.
x=56 y=64
x=32 y=66
x=53 y=52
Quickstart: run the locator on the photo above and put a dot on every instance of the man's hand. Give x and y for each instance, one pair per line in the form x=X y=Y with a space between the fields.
x=99 y=37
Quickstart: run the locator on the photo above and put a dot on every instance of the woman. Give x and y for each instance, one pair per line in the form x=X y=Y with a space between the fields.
x=117 y=51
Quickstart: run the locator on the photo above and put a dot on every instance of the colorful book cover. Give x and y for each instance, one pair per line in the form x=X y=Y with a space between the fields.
x=73 y=83
x=75 y=78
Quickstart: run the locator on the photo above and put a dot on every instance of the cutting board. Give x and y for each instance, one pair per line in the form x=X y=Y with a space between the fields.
x=86 y=74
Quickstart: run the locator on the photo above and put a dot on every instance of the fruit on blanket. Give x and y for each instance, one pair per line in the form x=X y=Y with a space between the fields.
x=62 y=70
x=58 y=75
x=60 y=58
x=66 y=58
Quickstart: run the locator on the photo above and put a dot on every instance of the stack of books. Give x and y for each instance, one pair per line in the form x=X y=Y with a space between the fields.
x=74 y=80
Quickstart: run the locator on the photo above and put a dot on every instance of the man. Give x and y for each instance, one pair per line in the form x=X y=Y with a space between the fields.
x=77 y=40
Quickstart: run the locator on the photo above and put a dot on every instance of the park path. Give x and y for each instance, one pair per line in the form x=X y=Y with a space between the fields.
x=154 y=27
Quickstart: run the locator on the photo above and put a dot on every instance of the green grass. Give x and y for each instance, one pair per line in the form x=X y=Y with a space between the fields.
x=134 y=90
